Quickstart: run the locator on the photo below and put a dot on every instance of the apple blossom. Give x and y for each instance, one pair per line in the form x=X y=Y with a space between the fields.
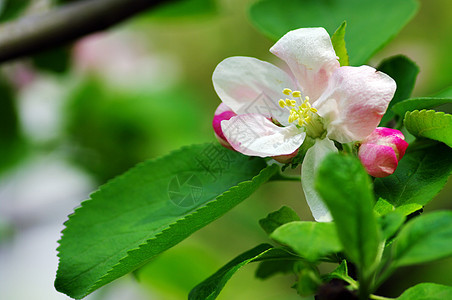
x=275 y=110
x=381 y=151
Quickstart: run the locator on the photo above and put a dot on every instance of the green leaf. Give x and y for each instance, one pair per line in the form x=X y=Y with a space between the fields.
x=445 y=93
x=149 y=209
x=383 y=207
x=404 y=71
x=420 y=175
x=430 y=124
x=210 y=288
x=341 y=272
x=338 y=41
x=346 y=189
x=11 y=9
x=311 y=240
x=280 y=217
x=266 y=269
x=390 y=223
x=366 y=32
x=419 y=103
x=427 y=291
x=308 y=279
x=423 y=239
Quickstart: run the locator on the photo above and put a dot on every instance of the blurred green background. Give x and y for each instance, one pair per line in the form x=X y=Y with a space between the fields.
x=140 y=90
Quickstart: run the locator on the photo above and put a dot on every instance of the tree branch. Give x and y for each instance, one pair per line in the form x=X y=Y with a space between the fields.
x=33 y=34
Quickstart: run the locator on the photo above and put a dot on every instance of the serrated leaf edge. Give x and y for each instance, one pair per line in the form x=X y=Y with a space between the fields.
x=413 y=113
x=170 y=226
x=87 y=202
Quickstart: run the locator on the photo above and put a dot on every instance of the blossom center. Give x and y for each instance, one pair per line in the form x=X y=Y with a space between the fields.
x=302 y=113
x=300 y=109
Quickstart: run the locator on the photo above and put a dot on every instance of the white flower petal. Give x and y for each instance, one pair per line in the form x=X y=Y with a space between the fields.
x=310 y=56
x=311 y=162
x=249 y=85
x=255 y=135
x=354 y=102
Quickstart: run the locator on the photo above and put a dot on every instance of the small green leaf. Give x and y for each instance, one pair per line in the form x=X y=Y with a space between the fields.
x=390 y=223
x=423 y=239
x=383 y=207
x=339 y=44
x=404 y=71
x=210 y=288
x=366 y=32
x=311 y=240
x=149 y=209
x=430 y=124
x=418 y=103
x=280 y=217
x=346 y=189
x=427 y=291
x=341 y=272
x=420 y=175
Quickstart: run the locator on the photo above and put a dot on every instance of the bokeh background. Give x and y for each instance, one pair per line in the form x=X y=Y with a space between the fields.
x=74 y=117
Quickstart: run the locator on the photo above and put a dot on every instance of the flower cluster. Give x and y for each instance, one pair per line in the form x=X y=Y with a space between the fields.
x=270 y=112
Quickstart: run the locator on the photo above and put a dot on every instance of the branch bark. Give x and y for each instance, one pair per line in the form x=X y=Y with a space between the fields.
x=33 y=34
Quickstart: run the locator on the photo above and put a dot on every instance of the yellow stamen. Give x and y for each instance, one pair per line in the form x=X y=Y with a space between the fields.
x=287 y=91
x=302 y=113
x=296 y=94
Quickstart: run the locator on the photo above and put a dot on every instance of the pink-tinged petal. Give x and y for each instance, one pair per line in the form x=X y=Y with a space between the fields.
x=255 y=135
x=311 y=163
x=311 y=57
x=284 y=159
x=354 y=102
x=378 y=160
x=222 y=108
x=223 y=112
x=249 y=85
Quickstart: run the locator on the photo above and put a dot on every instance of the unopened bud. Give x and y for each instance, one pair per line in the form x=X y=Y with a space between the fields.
x=223 y=112
x=381 y=151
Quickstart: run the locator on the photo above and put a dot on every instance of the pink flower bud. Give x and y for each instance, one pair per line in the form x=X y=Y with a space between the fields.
x=381 y=151
x=223 y=112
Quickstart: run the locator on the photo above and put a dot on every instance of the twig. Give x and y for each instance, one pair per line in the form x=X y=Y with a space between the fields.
x=35 y=33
